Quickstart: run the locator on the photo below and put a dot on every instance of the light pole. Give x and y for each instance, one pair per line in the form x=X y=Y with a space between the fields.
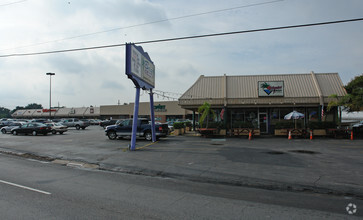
x=50 y=93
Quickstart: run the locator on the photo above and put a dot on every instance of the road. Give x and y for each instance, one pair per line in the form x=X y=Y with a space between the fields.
x=32 y=189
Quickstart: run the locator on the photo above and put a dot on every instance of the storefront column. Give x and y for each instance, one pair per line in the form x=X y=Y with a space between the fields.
x=193 y=120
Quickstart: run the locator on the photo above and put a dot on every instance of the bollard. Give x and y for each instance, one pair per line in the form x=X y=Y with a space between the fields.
x=311 y=134
x=250 y=136
x=289 y=135
x=351 y=135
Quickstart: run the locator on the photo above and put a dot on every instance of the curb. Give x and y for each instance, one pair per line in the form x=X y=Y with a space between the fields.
x=237 y=181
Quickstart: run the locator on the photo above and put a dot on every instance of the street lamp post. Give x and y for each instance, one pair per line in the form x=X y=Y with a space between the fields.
x=50 y=94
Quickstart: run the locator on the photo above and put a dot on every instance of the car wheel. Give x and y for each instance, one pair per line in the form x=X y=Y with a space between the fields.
x=78 y=127
x=83 y=128
x=34 y=133
x=61 y=132
x=3 y=131
x=54 y=132
x=112 y=135
x=15 y=133
x=148 y=136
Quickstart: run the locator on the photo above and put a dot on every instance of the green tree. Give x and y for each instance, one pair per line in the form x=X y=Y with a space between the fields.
x=29 y=106
x=4 y=112
x=206 y=111
x=353 y=101
x=33 y=106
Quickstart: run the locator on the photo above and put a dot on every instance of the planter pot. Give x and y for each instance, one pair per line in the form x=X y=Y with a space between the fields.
x=244 y=131
x=182 y=131
x=281 y=132
x=176 y=132
x=223 y=132
x=187 y=129
x=319 y=132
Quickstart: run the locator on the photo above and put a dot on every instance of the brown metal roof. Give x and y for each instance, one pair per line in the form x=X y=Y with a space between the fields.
x=299 y=88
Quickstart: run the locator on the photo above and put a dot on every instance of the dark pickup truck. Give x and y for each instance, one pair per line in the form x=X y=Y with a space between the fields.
x=124 y=129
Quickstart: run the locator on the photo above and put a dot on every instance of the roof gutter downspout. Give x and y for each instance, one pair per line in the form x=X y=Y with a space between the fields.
x=317 y=87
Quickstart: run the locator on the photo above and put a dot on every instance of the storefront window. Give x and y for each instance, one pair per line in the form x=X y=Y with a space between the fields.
x=274 y=116
x=252 y=117
x=313 y=114
x=244 y=117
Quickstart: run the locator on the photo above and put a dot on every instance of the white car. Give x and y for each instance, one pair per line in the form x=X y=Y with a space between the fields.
x=57 y=127
x=7 y=129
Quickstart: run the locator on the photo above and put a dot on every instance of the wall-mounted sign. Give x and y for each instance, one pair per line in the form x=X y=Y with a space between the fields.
x=139 y=67
x=271 y=88
x=160 y=108
x=47 y=110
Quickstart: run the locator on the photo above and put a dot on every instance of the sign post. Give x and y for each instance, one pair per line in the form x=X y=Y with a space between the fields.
x=141 y=70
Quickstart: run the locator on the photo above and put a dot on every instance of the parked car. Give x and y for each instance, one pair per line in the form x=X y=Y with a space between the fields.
x=74 y=122
x=358 y=125
x=94 y=121
x=7 y=129
x=124 y=129
x=6 y=121
x=106 y=123
x=57 y=127
x=40 y=120
x=33 y=128
x=87 y=122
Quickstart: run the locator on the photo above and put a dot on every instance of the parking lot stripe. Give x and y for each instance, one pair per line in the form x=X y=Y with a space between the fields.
x=139 y=148
x=25 y=187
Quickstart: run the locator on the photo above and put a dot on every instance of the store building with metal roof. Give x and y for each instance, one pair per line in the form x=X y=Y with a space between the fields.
x=265 y=99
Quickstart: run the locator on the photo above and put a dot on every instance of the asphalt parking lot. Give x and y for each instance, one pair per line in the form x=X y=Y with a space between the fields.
x=319 y=165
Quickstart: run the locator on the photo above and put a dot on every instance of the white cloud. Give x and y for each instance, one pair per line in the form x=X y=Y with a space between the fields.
x=97 y=77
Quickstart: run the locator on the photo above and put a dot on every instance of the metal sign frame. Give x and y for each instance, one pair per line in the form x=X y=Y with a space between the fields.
x=139 y=67
x=141 y=70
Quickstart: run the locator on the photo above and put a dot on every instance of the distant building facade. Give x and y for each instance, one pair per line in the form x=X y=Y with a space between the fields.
x=80 y=112
x=164 y=112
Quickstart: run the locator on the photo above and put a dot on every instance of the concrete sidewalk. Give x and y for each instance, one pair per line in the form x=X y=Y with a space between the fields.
x=321 y=165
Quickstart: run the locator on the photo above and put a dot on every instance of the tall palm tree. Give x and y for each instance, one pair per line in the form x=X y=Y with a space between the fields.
x=206 y=111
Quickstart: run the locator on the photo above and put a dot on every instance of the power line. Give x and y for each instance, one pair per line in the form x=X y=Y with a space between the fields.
x=11 y=3
x=143 y=24
x=186 y=38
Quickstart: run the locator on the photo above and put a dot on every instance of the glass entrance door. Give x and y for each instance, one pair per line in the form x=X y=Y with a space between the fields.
x=263 y=122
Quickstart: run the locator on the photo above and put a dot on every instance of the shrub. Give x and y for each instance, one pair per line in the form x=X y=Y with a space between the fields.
x=188 y=124
x=178 y=125
x=321 y=125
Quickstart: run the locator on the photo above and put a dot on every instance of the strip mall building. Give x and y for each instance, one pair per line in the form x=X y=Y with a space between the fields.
x=262 y=100
x=266 y=99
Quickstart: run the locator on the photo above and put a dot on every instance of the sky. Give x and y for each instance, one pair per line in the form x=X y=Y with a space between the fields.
x=97 y=77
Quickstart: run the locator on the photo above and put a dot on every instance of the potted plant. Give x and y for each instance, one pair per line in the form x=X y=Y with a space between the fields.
x=319 y=127
x=178 y=128
x=187 y=125
x=243 y=128
x=206 y=112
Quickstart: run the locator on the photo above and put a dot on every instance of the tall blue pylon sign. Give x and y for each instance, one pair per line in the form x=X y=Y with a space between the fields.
x=141 y=70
